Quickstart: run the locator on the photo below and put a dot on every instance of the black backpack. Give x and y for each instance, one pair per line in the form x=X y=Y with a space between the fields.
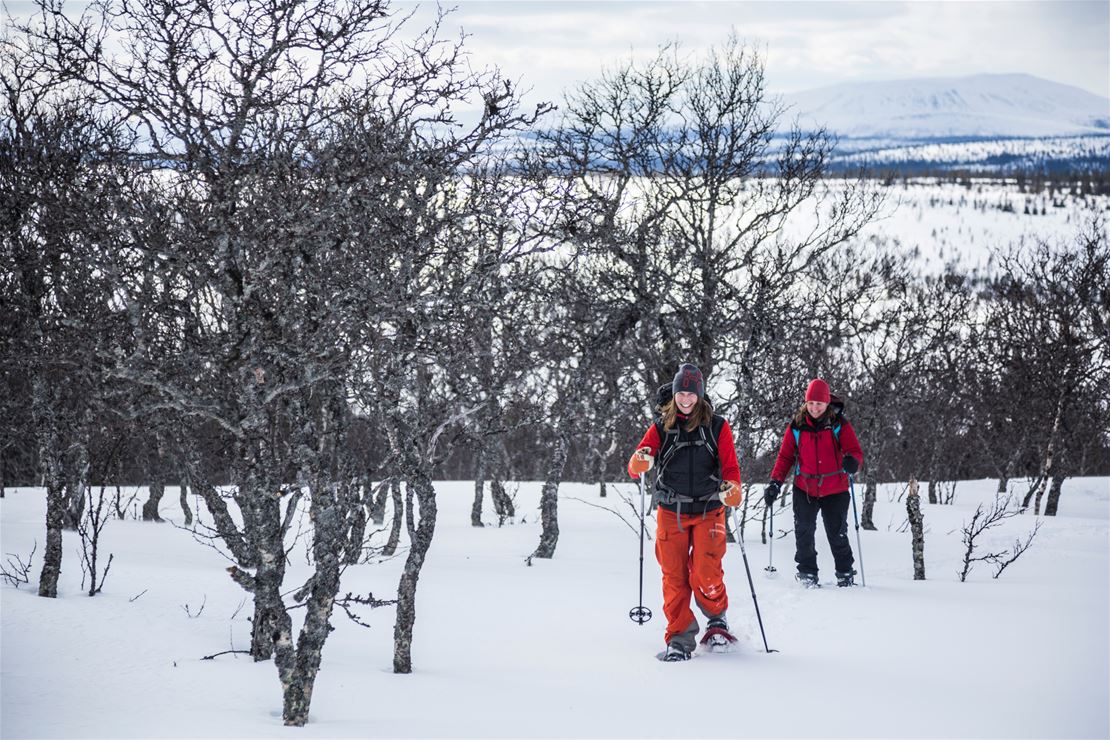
x=667 y=445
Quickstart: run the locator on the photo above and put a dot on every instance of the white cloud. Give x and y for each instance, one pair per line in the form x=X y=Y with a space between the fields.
x=807 y=44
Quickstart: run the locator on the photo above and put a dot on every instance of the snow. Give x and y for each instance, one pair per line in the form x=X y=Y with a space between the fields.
x=950 y=223
x=984 y=106
x=505 y=650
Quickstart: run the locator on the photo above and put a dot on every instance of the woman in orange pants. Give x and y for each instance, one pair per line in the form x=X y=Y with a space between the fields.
x=697 y=476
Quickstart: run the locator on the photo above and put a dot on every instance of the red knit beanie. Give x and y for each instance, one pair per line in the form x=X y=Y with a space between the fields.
x=818 y=390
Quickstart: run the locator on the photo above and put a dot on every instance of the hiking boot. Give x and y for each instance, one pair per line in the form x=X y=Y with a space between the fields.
x=675 y=653
x=717 y=623
x=844 y=578
x=809 y=580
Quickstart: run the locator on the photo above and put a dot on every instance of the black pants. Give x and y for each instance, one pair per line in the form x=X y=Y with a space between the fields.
x=834 y=514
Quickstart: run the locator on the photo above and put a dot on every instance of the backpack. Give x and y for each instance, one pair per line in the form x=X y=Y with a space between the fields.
x=667 y=445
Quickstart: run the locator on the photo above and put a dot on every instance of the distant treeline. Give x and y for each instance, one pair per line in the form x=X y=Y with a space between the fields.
x=1080 y=176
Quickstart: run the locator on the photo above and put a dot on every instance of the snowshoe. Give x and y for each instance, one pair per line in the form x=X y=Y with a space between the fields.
x=717 y=638
x=809 y=580
x=845 y=578
x=674 y=653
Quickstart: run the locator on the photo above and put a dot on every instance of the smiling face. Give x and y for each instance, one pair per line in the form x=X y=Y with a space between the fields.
x=816 y=408
x=686 y=402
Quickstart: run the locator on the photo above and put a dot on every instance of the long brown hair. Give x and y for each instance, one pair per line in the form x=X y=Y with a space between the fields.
x=701 y=416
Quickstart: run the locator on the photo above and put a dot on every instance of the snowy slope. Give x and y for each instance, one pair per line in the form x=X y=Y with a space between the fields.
x=504 y=650
x=979 y=106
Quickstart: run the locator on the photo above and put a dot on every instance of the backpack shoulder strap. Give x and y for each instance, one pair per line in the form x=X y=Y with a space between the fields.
x=715 y=427
x=797 y=449
x=667 y=442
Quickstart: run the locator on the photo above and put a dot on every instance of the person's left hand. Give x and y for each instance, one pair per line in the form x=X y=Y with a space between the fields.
x=730 y=493
x=850 y=465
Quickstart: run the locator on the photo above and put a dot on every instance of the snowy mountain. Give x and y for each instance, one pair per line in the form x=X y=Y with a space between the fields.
x=976 y=107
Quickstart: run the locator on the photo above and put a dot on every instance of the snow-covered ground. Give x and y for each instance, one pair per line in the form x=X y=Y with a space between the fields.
x=505 y=650
x=946 y=222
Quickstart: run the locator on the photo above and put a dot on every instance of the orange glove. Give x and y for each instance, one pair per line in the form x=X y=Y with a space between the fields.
x=730 y=493
x=640 y=462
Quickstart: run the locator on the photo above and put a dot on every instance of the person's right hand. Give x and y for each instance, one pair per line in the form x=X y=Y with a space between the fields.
x=641 y=461
x=771 y=492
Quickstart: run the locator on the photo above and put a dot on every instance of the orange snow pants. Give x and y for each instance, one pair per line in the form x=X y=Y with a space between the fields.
x=690 y=558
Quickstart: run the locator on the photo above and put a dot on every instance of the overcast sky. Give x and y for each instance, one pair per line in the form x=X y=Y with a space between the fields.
x=549 y=45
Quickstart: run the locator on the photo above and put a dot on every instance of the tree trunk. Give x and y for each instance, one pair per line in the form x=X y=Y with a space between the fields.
x=913 y=509
x=76 y=467
x=502 y=504
x=1040 y=494
x=406 y=590
x=1054 y=496
x=479 y=483
x=870 y=493
x=117 y=502
x=184 y=500
x=150 y=508
x=1003 y=484
x=1048 y=468
x=52 y=555
x=353 y=499
x=549 y=499
x=54 y=480
x=377 y=508
x=299 y=679
x=601 y=461
x=933 y=491
x=272 y=627
x=394 y=485
x=410 y=511
x=1034 y=490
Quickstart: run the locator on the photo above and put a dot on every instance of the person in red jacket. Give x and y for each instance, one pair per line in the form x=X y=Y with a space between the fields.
x=696 y=477
x=821 y=449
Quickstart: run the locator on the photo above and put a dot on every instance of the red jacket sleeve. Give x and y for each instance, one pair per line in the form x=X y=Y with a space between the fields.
x=726 y=453
x=651 y=441
x=849 y=442
x=785 y=461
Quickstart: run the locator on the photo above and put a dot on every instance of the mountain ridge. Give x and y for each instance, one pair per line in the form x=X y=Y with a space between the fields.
x=983 y=106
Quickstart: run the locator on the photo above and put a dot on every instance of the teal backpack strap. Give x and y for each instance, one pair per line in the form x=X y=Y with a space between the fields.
x=797 y=450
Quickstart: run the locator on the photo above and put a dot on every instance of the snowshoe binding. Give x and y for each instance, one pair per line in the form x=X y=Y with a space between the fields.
x=809 y=580
x=674 y=653
x=717 y=638
x=845 y=578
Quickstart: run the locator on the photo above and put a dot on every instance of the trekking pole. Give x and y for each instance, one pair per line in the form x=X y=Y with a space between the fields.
x=751 y=584
x=640 y=614
x=771 y=570
x=859 y=545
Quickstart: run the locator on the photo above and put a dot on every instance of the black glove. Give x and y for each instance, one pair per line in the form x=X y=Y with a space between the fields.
x=850 y=465
x=771 y=492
